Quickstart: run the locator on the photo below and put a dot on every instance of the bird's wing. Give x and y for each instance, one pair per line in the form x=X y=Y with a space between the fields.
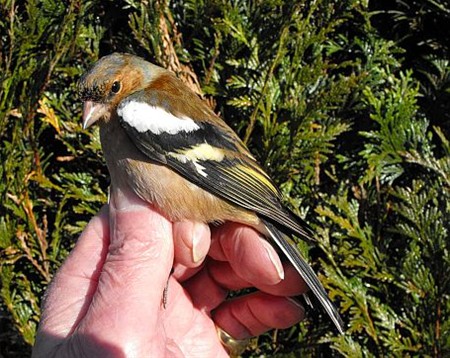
x=211 y=157
x=207 y=155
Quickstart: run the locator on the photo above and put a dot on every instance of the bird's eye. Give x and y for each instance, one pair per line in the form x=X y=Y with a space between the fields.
x=115 y=88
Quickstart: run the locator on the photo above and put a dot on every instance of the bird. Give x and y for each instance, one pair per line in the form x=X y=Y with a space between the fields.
x=162 y=141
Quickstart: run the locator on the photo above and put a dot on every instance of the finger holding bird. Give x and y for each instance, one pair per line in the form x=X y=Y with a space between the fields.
x=164 y=143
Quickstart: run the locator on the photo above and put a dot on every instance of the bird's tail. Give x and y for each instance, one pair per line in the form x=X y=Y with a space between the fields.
x=288 y=247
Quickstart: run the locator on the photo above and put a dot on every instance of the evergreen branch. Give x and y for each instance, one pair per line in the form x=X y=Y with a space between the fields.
x=267 y=79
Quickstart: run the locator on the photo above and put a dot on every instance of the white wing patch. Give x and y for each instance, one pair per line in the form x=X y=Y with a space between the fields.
x=202 y=151
x=144 y=117
x=200 y=169
x=183 y=159
x=197 y=153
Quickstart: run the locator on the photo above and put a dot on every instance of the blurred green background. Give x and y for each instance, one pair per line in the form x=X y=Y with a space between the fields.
x=345 y=103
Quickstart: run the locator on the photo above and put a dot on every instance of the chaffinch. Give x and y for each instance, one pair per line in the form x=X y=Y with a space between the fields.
x=165 y=144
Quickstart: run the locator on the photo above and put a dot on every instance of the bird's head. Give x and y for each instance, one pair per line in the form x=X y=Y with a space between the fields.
x=110 y=80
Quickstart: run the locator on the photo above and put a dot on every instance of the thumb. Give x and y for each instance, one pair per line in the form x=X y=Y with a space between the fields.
x=135 y=272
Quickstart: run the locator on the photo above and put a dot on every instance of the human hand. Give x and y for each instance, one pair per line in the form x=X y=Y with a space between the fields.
x=106 y=299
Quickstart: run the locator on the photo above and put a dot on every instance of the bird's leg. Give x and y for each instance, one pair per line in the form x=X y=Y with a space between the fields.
x=166 y=290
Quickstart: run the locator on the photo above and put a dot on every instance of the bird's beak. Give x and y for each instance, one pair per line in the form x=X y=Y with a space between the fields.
x=92 y=112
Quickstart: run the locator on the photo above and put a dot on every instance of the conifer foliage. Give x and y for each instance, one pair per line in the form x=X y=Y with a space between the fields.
x=331 y=96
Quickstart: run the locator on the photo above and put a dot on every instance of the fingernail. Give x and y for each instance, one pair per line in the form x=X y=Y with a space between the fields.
x=296 y=303
x=275 y=260
x=197 y=233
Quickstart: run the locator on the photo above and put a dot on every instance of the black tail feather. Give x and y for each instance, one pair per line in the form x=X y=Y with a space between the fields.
x=289 y=248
